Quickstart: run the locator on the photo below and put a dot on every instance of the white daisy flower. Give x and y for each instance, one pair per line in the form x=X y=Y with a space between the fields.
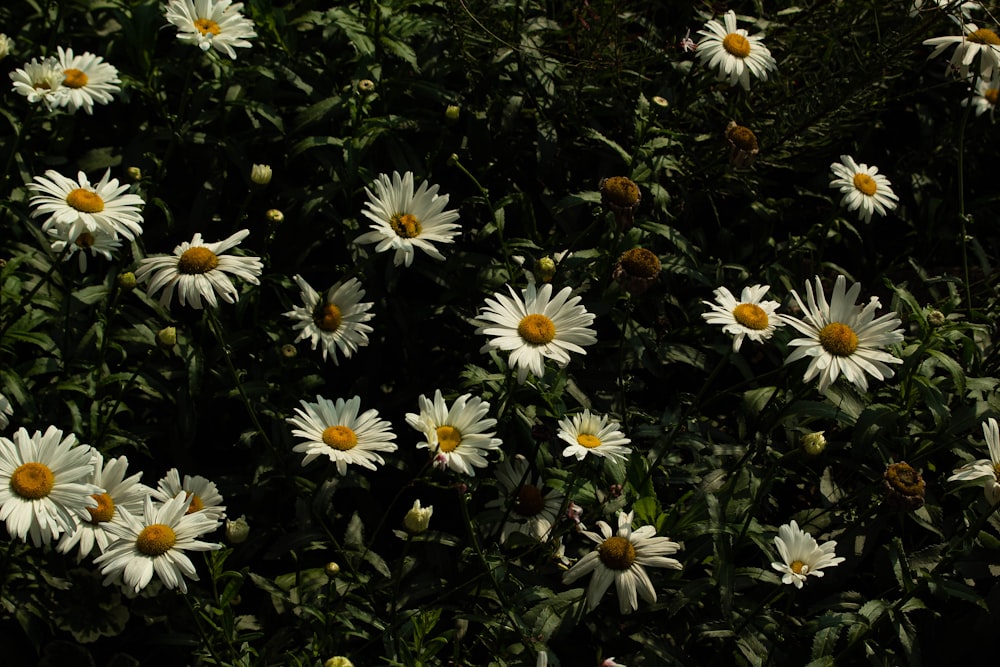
x=986 y=97
x=39 y=81
x=405 y=221
x=620 y=558
x=75 y=207
x=211 y=24
x=842 y=337
x=974 y=41
x=589 y=434
x=87 y=243
x=155 y=542
x=801 y=555
x=337 y=431
x=535 y=326
x=456 y=436
x=864 y=189
x=985 y=471
x=122 y=495
x=337 y=322
x=44 y=484
x=6 y=411
x=199 y=270
x=529 y=510
x=734 y=52
x=203 y=493
x=88 y=79
x=747 y=318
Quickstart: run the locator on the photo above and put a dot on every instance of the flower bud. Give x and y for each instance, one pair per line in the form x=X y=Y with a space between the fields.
x=452 y=113
x=166 y=337
x=637 y=270
x=660 y=101
x=260 y=174
x=366 y=86
x=237 y=531
x=4 y=46
x=134 y=173
x=289 y=351
x=904 y=486
x=338 y=661
x=126 y=280
x=622 y=196
x=814 y=443
x=936 y=318
x=332 y=569
x=274 y=216
x=417 y=519
x=546 y=269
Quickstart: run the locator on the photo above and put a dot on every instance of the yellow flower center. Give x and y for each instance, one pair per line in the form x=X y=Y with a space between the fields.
x=903 y=478
x=449 y=438
x=743 y=138
x=156 y=540
x=197 y=504
x=736 y=44
x=85 y=200
x=751 y=316
x=797 y=566
x=992 y=96
x=328 y=317
x=105 y=510
x=198 y=259
x=620 y=191
x=838 y=339
x=529 y=501
x=640 y=263
x=984 y=36
x=207 y=26
x=85 y=240
x=865 y=183
x=405 y=225
x=32 y=480
x=537 y=329
x=617 y=553
x=587 y=440
x=74 y=78
x=340 y=438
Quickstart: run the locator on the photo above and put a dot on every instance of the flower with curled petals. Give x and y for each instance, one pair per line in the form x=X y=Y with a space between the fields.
x=865 y=190
x=211 y=24
x=749 y=317
x=801 y=555
x=621 y=558
x=337 y=321
x=457 y=436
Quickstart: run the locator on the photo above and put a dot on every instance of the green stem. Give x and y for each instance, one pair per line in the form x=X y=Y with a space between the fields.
x=496 y=220
x=961 y=191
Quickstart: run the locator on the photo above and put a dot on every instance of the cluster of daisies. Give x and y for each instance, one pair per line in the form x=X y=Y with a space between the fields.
x=56 y=491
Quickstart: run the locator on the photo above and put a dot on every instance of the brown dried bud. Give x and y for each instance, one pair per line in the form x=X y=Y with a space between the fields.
x=905 y=486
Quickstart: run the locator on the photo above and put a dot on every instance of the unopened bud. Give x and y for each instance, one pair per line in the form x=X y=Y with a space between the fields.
x=338 y=661
x=814 y=443
x=289 y=351
x=126 y=280
x=451 y=113
x=366 y=86
x=546 y=269
x=166 y=337
x=417 y=519
x=260 y=174
x=936 y=318
x=237 y=531
x=274 y=216
x=134 y=173
x=332 y=569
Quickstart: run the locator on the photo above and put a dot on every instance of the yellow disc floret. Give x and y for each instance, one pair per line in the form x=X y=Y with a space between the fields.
x=797 y=566
x=640 y=263
x=865 y=183
x=85 y=201
x=751 y=316
x=736 y=44
x=617 y=553
x=587 y=440
x=207 y=26
x=85 y=240
x=984 y=36
x=340 y=438
x=197 y=504
x=156 y=540
x=328 y=317
x=838 y=339
x=529 y=501
x=448 y=438
x=32 y=480
x=105 y=510
x=74 y=78
x=536 y=329
x=992 y=96
x=197 y=259
x=405 y=225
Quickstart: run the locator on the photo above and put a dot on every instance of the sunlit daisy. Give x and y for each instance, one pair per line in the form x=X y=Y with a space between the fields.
x=621 y=558
x=121 y=495
x=986 y=98
x=801 y=555
x=199 y=270
x=336 y=322
x=6 y=411
x=155 y=542
x=86 y=243
x=528 y=508
x=457 y=436
x=534 y=326
x=984 y=471
x=864 y=189
x=75 y=207
x=842 y=337
x=589 y=434
x=749 y=317
x=405 y=220
x=974 y=41
x=88 y=80
x=44 y=484
x=736 y=53
x=205 y=496
x=337 y=431
x=210 y=24
x=39 y=81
